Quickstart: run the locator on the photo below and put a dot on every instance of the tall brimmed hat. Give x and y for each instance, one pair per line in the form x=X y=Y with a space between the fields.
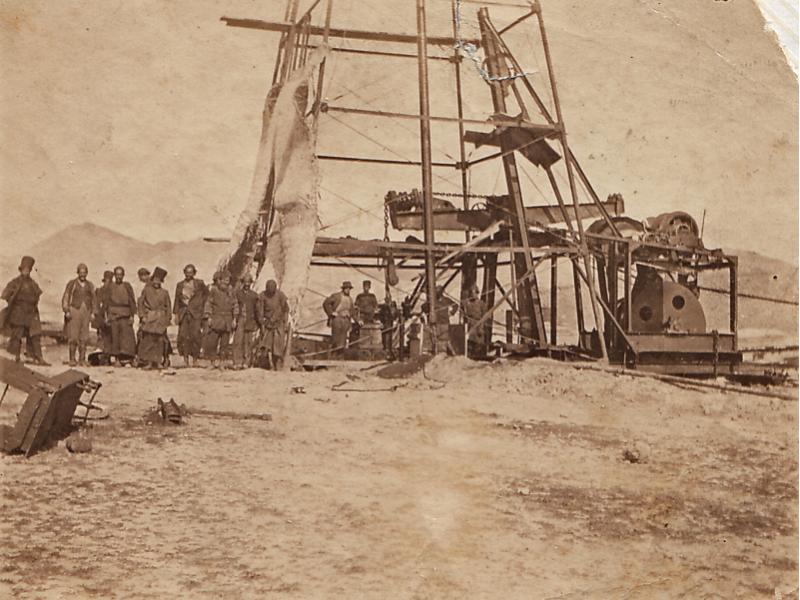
x=27 y=262
x=347 y=284
x=159 y=273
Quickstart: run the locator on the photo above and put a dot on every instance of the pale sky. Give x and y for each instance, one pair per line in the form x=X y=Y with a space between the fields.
x=144 y=115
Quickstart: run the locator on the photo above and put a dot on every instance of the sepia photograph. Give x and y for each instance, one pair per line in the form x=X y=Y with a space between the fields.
x=399 y=299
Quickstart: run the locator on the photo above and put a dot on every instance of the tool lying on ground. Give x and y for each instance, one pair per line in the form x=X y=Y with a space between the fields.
x=47 y=413
x=171 y=412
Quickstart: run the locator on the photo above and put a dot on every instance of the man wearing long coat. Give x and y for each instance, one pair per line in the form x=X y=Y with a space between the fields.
x=246 y=324
x=21 y=315
x=78 y=304
x=273 y=318
x=155 y=310
x=190 y=300
x=220 y=312
x=120 y=309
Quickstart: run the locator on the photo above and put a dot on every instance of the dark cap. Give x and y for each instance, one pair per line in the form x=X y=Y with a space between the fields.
x=160 y=274
x=347 y=284
x=27 y=262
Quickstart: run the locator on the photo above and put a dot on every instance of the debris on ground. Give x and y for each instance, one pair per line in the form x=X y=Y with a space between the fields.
x=79 y=442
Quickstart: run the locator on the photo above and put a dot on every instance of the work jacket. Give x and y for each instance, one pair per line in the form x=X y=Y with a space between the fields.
x=221 y=309
x=196 y=304
x=333 y=305
x=272 y=311
x=70 y=298
x=22 y=294
x=119 y=301
x=247 y=301
x=154 y=310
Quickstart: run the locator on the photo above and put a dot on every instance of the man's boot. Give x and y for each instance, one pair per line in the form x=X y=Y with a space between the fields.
x=82 y=355
x=72 y=349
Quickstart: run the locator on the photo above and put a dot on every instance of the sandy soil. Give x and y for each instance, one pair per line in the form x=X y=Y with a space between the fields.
x=467 y=481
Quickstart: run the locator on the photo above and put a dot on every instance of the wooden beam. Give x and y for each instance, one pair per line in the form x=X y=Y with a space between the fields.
x=350 y=34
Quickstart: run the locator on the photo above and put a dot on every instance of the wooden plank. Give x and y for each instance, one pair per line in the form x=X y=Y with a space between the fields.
x=349 y=34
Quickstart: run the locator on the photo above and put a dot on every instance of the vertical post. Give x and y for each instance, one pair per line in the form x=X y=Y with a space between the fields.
x=571 y=179
x=576 y=281
x=321 y=75
x=734 y=291
x=509 y=326
x=554 y=300
x=489 y=286
x=290 y=41
x=529 y=302
x=628 y=287
x=460 y=107
x=611 y=283
x=427 y=173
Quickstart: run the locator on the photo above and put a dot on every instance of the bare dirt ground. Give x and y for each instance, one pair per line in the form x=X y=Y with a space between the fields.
x=468 y=481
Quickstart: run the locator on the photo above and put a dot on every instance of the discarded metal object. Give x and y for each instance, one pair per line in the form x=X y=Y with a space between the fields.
x=46 y=416
x=166 y=412
x=170 y=412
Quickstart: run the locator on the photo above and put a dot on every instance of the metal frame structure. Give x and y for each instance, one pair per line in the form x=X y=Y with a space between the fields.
x=524 y=238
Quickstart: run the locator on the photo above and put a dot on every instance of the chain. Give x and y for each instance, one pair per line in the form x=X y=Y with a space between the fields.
x=385 y=221
x=460 y=195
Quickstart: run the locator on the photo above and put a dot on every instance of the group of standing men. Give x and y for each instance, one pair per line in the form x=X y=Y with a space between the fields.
x=218 y=323
x=346 y=316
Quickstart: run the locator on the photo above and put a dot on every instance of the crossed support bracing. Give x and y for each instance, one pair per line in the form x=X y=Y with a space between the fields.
x=499 y=231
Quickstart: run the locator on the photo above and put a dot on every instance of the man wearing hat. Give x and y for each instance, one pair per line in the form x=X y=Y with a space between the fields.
x=190 y=300
x=366 y=305
x=220 y=312
x=119 y=310
x=246 y=324
x=273 y=317
x=155 y=311
x=78 y=304
x=21 y=315
x=339 y=308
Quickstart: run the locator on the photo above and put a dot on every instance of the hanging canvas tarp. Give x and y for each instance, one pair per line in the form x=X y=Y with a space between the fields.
x=274 y=237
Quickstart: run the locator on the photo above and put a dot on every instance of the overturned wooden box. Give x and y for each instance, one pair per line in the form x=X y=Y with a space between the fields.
x=47 y=413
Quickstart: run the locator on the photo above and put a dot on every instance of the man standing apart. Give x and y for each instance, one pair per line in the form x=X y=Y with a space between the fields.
x=190 y=300
x=246 y=324
x=120 y=309
x=339 y=308
x=273 y=317
x=78 y=304
x=220 y=311
x=154 y=318
x=22 y=313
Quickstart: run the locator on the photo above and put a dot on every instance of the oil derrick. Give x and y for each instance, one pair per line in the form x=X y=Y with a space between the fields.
x=640 y=280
